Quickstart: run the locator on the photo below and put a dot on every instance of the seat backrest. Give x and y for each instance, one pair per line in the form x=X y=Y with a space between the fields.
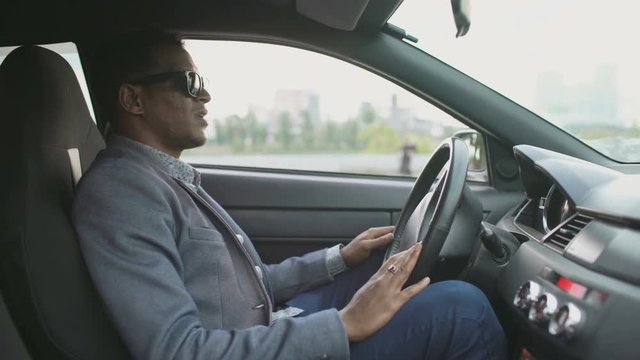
x=47 y=140
x=11 y=346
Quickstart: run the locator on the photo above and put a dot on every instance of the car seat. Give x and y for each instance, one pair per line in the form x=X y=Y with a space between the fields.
x=48 y=139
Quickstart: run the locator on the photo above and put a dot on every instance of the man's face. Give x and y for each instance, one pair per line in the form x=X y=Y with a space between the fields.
x=174 y=119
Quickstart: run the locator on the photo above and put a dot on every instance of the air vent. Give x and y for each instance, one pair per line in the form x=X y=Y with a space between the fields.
x=560 y=238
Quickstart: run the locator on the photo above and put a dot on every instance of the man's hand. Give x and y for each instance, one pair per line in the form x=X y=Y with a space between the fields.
x=382 y=296
x=358 y=249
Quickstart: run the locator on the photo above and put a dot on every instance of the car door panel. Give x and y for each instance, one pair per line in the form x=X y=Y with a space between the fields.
x=291 y=213
x=278 y=234
x=259 y=188
x=288 y=224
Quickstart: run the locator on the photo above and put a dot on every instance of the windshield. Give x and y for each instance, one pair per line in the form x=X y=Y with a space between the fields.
x=573 y=62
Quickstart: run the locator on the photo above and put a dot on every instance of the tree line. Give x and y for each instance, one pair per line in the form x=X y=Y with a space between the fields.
x=366 y=133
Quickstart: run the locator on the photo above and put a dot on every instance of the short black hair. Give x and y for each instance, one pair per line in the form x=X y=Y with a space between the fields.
x=123 y=58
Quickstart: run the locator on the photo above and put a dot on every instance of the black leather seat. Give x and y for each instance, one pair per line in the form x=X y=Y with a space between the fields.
x=47 y=139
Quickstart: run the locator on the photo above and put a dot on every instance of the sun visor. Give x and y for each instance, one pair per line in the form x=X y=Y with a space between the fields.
x=338 y=14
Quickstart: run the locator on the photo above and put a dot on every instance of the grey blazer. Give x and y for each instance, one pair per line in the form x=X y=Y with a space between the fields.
x=178 y=276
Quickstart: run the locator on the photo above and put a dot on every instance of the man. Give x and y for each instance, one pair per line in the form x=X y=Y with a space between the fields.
x=180 y=279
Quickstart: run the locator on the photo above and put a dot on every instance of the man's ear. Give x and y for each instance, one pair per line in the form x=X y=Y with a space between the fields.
x=129 y=98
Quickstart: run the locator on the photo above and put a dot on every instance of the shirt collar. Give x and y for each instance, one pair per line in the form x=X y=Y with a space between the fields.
x=175 y=167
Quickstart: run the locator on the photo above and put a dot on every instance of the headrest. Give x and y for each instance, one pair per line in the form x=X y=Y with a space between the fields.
x=40 y=94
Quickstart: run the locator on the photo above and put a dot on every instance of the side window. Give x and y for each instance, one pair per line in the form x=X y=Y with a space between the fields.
x=70 y=53
x=279 y=107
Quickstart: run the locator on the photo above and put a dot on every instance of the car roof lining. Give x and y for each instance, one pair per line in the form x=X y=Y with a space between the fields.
x=99 y=19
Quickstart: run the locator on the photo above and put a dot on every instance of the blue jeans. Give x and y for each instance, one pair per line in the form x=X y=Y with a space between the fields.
x=447 y=320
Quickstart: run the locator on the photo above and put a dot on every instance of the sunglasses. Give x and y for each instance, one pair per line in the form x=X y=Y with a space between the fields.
x=194 y=82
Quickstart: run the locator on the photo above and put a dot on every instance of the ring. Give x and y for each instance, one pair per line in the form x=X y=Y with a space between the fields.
x=393 y=269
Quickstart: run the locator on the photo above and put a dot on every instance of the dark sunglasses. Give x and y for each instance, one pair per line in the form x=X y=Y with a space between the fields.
x=194 y=81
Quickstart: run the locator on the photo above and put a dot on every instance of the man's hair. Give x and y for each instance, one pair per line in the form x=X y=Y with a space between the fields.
x=122 y=59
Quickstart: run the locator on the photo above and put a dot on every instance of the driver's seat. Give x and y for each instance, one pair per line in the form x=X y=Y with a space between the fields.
x=48 y=140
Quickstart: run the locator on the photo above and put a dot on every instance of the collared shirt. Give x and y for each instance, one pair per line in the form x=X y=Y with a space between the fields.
x=190 y=176
x=176 y=167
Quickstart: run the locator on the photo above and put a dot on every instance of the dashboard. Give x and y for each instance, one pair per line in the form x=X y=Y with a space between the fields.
x=542 y=213
x=571 y=289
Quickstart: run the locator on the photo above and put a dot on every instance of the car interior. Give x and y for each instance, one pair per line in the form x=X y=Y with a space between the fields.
x=551 y=234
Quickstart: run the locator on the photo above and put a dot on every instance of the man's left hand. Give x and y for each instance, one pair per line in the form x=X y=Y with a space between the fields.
x=358 y=249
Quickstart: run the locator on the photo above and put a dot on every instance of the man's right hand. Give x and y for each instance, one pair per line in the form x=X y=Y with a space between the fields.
x=382 y=296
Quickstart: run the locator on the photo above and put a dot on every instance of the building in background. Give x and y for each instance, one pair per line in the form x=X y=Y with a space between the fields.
x=298 y=104
x=591 y=103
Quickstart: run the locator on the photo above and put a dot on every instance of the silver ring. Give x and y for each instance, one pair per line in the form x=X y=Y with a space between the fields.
x=393 y=269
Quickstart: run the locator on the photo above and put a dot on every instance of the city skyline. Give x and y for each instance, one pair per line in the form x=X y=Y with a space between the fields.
x=595 y=101
x=300 y=105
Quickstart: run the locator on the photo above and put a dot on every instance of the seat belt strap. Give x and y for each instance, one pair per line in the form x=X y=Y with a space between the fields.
x=76 y=167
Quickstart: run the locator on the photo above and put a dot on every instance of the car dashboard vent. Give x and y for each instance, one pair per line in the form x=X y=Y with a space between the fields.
x=562 y=236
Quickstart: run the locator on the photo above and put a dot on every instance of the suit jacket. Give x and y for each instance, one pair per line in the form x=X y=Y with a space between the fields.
x=178 y=276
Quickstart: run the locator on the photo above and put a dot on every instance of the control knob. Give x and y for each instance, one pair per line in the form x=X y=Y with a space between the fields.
x=527 y=294
x=543 y=309
x=566 y=321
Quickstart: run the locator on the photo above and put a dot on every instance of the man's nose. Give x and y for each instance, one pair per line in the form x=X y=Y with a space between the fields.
x=204 y=96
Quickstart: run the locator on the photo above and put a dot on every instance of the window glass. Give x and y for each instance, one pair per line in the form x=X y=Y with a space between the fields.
x=571 y=61
x=70 y=53
x=279 y=107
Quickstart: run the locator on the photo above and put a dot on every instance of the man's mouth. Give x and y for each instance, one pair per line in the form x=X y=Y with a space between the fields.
x=202 y=114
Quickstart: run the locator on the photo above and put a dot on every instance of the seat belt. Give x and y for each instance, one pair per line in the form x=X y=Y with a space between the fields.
x=76 y=166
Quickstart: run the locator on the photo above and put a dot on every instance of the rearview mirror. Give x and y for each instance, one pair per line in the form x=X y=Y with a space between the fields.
x=461 y=16
x=477 y=171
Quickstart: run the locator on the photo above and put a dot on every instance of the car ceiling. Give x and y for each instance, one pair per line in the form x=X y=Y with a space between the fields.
x=41 y=21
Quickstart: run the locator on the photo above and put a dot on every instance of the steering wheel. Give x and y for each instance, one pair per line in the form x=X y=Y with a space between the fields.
x=431 y=207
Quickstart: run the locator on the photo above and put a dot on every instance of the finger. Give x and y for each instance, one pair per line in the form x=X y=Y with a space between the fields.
x=395 y=260
x=410 y=259
x=403 y=262
x=378 y=242
x=399 y=260
x=404 y=254
x=376 y=232
x=414 y=289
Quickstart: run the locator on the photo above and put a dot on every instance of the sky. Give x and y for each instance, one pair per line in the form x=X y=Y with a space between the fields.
x=510 y=43
x=241 y=73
